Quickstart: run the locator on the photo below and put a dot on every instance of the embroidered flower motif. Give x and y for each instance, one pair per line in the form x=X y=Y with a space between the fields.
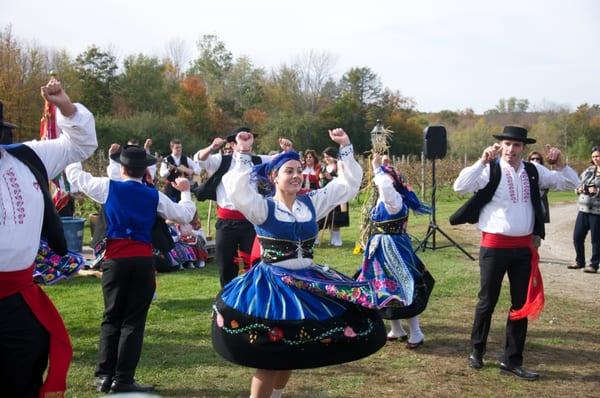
x=326 y=341
x=275 y=334
x=349 y=332
x=234 y=324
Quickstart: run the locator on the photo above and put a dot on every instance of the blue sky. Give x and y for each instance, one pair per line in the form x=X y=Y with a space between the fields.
x=443 y=54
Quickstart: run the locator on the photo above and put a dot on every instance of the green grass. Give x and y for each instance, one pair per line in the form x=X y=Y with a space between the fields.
x=563 y=344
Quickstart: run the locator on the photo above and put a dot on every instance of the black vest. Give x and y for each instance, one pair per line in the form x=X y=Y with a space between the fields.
x=208 y=189
x=52 y=228
x=469 y=211
x=171 y=160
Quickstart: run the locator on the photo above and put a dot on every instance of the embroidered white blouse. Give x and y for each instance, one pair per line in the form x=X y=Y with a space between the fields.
x=254 y=206
x=21 y=202
x=510 y=212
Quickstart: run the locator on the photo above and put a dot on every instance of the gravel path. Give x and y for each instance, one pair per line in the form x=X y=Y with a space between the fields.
x=557 y=252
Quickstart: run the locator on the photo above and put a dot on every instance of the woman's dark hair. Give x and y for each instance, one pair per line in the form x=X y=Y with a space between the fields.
x=595 y=149
x=331 y=151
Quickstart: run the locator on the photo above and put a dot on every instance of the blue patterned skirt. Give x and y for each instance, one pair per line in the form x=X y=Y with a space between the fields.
x=277 y=318
x=392 y=266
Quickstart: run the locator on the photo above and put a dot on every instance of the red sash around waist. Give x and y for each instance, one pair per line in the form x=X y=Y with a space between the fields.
x=228 y=214
x=61 y=351
x=534 y=304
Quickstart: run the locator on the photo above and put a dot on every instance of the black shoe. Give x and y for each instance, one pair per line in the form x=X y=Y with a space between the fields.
x=575 y=266
x=103 y=383
x=519 y=372
x=130 y=387
x=590 y=269
x=475 y=360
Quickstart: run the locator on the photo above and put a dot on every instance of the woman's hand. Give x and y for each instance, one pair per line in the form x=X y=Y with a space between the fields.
x=244 y=141
x=339 y=136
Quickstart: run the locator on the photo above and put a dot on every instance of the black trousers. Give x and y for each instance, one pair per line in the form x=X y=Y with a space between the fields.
x=24 y=347
x=494 y=263
x=587 y=222
x=231 y=235
x=128 y=285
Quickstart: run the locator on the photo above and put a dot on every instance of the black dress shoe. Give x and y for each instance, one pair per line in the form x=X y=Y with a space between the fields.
x=103 y=383
x=475 y=360
x=519 y=372
x=130 y=387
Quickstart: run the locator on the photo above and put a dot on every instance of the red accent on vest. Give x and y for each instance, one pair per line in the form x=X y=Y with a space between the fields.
x=534 y=304
x=61 y=352
x=228 y=214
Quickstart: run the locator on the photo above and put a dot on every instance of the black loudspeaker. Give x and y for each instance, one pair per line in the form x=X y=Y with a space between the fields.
x=434 y=142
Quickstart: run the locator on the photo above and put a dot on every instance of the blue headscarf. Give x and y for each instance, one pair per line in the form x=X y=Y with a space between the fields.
x=261 y=173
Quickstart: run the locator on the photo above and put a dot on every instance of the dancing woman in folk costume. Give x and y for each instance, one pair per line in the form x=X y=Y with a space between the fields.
x=288 y=312
x=390 y=261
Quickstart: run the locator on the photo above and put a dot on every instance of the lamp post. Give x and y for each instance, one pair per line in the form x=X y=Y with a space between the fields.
x=379 y=138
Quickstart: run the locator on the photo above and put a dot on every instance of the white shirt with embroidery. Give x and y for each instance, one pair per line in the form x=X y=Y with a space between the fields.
x=21 y=201
x=510 y=212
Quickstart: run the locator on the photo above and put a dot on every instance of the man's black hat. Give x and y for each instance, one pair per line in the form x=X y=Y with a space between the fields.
x=514 y=133
x=2 y=122
x=133 y=156
x=234 y=133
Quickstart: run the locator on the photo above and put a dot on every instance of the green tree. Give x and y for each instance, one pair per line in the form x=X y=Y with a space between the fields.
x=96 y=70
x=143 y=85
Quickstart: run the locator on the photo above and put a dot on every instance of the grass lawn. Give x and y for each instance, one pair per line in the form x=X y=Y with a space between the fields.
x=564 y=344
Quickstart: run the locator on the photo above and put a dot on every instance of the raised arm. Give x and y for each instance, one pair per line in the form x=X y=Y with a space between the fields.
x=346 y=185
x=391 y=198
x=78 y=139
x=242 y=191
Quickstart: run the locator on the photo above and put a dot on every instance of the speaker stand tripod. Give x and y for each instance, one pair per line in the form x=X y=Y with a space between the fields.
x=434 y=227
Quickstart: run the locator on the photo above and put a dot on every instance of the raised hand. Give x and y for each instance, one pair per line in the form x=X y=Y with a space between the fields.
x=339 y=136
x=181 y=184
x=114 y=148
x=553 y=156
x=490 y=153
x=54 y=94
x=217 y=143
x=286 y=144
x=244 y=141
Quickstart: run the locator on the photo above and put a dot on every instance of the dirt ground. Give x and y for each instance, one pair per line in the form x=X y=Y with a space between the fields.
x=557 y=251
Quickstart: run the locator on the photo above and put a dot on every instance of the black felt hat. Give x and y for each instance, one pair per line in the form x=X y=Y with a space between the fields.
x=2 y=122
x=234 y=133
x=133 y=156
x=514 y=133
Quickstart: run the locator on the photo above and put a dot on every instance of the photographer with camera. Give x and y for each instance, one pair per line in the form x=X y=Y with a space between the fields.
x=588 y=218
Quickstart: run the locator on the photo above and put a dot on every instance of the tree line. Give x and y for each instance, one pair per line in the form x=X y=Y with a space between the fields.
x=199 y=99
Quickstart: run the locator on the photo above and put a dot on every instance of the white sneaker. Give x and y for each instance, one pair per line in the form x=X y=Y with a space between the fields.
x=200 y=264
